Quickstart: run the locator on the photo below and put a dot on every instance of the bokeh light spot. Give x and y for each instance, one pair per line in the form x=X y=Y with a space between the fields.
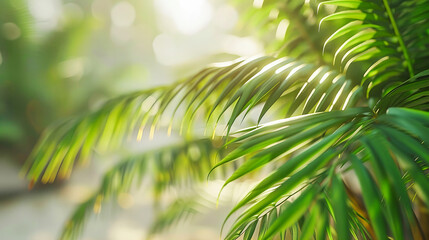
x=46 y=13
x=125 y=200
x=71 y=68
x=188 y=16
x=11 y=31
x=123 y=14
x=226 y=17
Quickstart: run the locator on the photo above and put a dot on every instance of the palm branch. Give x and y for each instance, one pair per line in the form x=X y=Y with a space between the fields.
x=347 y=153
x=179 y=166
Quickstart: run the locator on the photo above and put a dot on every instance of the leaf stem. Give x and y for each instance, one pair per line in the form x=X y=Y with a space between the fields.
x=398 y=35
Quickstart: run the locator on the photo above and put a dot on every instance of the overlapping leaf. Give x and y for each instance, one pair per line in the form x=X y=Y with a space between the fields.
x=239 y=87
x=413 y=93
x=387 y=198
x=386 y=34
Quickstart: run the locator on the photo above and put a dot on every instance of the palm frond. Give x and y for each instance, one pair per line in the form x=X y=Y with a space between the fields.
x=61 y=145
x=277 y=139
x=262 y=226
x=181 y=166
x=267 y=81
x=385 y=34
x=319 y=167
x=239 y=86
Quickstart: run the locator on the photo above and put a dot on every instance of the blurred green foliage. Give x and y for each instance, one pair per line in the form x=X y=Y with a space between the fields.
x=50 y=74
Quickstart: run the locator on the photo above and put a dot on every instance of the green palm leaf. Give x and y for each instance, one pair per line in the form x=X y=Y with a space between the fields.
x=373 y=31
x=369 y=143
x=348 y=156
x=119 y=118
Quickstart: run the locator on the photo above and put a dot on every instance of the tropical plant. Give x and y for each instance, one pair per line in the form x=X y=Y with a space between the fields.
x=347 y=153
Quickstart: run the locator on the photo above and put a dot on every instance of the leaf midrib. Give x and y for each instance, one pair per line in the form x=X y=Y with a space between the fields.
x=400 y=40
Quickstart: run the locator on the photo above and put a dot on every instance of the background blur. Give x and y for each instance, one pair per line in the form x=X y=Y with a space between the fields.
x=60 y=59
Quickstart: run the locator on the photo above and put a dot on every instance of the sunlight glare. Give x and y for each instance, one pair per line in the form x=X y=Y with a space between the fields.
x=346 y=102
x=274 y=13
x=281 y=29
x=188 y=16
x=315 y=74
x=124 y=229
x=296 y=69
x=324 y=77
x=337 y=96
x=241 y=46
x=321 y=100
x=225 y=17
x=258 y=3
x=46 y=12
x=283 y=68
